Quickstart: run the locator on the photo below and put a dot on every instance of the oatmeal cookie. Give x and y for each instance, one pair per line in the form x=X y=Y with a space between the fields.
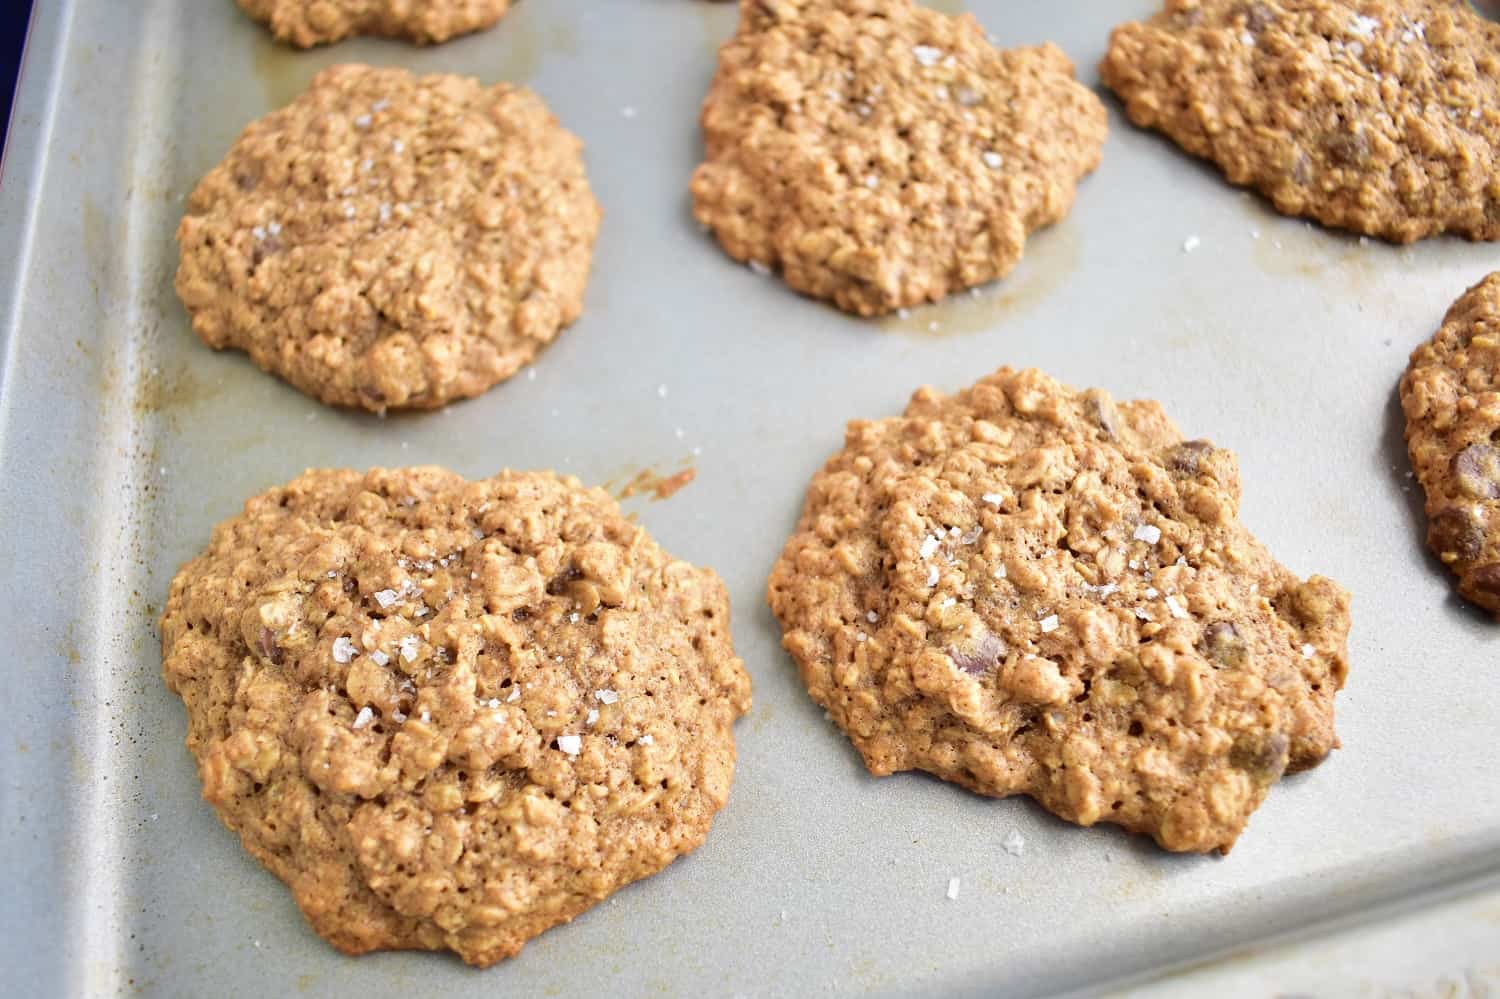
x=1377 y=116
x=881 y=155
x=389 y=240
x=1451 y=396
x=452 y=714
x=1026 y=589
x=306 y=23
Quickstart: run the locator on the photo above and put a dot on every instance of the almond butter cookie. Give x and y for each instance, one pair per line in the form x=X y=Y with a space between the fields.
x=306 y=23
x=1378 y=117
x=452 y=714
x=391 y=241
x=1451 y=395
x=881 y=155
x=1026 y=589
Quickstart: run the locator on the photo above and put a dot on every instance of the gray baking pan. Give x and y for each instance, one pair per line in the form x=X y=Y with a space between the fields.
x=123 y=440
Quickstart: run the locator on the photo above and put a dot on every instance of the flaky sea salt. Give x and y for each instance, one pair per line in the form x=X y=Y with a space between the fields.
x=992 y=159
x=932 y=576
x=570 y=744
x=1178 y=611
x=343 y=650
x=871 y=616
x=409 y=647
x=364 y=717
x=1049 y=624
x=385 y=598
x=952 y=889
x=380 y=657
x=1308 y=651
x=1148 y=533
x=593 y=716
x=927 y=55
x=993 y=499
x=929 y=547
x=515 y=694
x=648 y=739
x=606 y=696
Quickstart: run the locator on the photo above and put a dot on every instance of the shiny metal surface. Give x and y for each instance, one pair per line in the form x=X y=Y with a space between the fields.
x=123 y=440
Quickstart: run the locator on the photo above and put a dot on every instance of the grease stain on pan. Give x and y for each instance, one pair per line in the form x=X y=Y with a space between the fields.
x=1051 y=256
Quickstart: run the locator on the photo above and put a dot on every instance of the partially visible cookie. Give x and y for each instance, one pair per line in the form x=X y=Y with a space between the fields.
x=391 y=241
x=452 y=714
x=1026 y=589
x=306 y=23
x=1377 y=117
x=881 y=155
x=1451 y=395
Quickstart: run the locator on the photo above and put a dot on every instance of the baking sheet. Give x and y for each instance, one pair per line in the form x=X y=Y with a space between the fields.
x=123 y=440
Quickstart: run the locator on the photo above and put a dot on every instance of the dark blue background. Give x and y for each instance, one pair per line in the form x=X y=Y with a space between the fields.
x=14 y=15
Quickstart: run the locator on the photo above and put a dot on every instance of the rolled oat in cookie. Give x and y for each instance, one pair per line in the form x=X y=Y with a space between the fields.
x=1377 y=116
x=452 y=714
x=306 y=23
x=1451 y=396
x=880 y=154
x=391 y=241
x=1027 y=589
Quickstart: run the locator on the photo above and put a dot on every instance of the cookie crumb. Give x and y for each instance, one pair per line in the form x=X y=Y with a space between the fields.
x=1015 y=843
x=952 y=889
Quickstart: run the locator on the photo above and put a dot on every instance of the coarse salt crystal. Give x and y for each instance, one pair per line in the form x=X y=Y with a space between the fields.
x=492 y=703
x=861 y=637
x=1148 y=533
x=274 y=228
x=1151 y=593
x=363 y=121
x=1307 y=651
x=592 y=717
x=648 y=739
x=947 y=602
x=1175 y=607
x=606 y=696
x=1015 y=843
x=570 y=744
x=952 y=889
x=348 y=211
x=380 y=105
x=932 y=576
x=927 y=55
x=425 y=716
x=409 y=647
x=1143 y=614
x=380 y=657
x=1001 y=572
x=1364 y=27
x=385 y=213
x=515 y=694
x=993 y=499
x=929 y=547
x=992 y=159
x=871 y=616
x=397 y=146
x=258 y=232
x=1049 y=624
x=364 y=717
x=343 y=650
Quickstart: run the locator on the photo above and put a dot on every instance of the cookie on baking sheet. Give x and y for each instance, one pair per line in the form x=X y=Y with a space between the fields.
x=391 y=241
x=452 y=714
x=1451 y=395
x=881 y=155
x=1378 y=117
x=1028 y=589
x=306 y=23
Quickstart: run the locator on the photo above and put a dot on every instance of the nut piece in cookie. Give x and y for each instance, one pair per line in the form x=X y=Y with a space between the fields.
x=885 y=155
x=1027 y=589
x=452 y=714
x=306 y=23
x=1451 y=396
x=1378 y=117
x=391 y=241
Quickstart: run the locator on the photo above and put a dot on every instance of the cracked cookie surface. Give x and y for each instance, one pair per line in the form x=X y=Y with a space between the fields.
x=305 y=23
x=1377 y=117
x=452 y=714
x=881 y=155
x=391 y=241
x=1026 y=589
x=1451 y=396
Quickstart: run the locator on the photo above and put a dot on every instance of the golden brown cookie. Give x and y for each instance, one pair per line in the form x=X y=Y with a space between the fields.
x=1378 y=117
x=881 y=155
x=306 y=23
x=1027 y=589
x=391 y=241
x=1451 y=395
x=452 y=714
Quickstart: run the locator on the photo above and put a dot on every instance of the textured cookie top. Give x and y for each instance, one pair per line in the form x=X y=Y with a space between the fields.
x=1379 y=117
x=1451 y=395
x=1027 y=589
x=881 y=154
x=388 y=240
x=306 y=23
x=452 y=714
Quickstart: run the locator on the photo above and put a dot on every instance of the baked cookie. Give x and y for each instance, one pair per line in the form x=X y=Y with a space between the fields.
x=306 y=23
x=1377 y=117
x=1451 y=395
x=452 y=714
x=1027 y=589
x=881 y=155
x=389 y=240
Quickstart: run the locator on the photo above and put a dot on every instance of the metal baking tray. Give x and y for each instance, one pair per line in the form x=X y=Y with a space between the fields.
x=123 y=440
